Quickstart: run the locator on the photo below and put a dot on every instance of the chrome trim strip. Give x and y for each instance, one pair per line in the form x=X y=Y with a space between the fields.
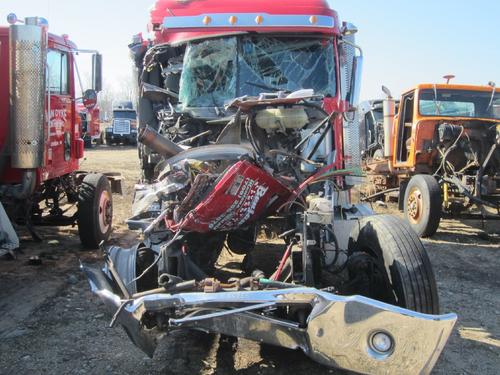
x=218 y=20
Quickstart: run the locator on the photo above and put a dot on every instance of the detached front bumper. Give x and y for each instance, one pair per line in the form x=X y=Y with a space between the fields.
x=343 y=332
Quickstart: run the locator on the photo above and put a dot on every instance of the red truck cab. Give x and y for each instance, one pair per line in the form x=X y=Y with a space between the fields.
x=63 y=142
x=40 y=134
x=227 y=34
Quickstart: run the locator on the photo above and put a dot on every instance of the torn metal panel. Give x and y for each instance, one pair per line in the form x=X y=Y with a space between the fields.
x=173 y=179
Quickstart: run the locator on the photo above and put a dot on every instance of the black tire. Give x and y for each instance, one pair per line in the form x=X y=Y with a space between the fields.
x=95 y=210
x=87 y=142
x=387 y=250
x=101 y=139
x=205 y=250
x=148 y=174
x=242 y=241
x=422 y=204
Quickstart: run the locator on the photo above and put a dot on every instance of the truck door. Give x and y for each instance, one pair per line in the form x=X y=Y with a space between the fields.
x=60 y=117
x=404 y=130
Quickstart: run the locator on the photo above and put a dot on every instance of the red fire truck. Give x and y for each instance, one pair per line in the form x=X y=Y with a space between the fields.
x=40 y=137
x=90 y=123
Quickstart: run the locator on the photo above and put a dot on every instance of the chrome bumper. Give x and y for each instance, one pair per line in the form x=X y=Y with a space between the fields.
x=338 y=333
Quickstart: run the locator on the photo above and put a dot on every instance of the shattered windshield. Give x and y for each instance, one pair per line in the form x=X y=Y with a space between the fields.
x=209 y=73
x=216 y=71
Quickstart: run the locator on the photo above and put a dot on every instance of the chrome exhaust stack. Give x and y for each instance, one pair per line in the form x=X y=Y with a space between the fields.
x=389 y=108
x=27 y=81
x=27 y=64
x=158 y=143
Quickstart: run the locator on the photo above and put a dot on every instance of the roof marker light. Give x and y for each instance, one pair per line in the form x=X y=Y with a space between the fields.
x=43 y=22
x=233 y=20
x=207 y=20
x=313 y=20
x=259 y=19
x=12 y=19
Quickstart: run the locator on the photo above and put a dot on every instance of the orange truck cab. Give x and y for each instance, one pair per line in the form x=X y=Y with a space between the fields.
x=442 y=149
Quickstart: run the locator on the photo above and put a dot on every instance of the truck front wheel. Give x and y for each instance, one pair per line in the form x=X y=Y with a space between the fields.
x=388 y=262
x=423 y=204
x=95 y=210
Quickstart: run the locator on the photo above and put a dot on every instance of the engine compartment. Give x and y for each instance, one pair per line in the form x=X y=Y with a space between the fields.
x=469 y=159
x=186 y=89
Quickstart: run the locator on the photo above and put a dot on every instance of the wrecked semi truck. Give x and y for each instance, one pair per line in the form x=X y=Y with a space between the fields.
x=244 y=122
x=41 y=140
x=440 y=154
x=371 y=128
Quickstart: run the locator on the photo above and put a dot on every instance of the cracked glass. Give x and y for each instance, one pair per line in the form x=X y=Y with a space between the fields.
x=218 y=70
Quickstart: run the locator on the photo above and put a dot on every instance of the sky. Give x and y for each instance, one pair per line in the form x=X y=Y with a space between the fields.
x=404 y=42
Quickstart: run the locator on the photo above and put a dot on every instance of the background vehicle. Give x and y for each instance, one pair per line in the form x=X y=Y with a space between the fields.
x=90 y=123
x=371 y=118
x=124 y=125
x=40 y=140
x=246 y=105
x=441 y=153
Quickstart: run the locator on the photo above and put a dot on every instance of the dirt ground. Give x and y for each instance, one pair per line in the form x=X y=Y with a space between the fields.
x=51 y=324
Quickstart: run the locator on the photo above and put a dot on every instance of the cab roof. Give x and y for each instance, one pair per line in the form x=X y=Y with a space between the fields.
x=53 y=39
x=177 y=21
x=445 y=86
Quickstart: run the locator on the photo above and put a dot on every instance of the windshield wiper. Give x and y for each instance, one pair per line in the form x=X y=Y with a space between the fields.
x=265 y=87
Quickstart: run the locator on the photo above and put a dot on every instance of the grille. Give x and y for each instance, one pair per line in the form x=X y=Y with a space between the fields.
x=121 y=126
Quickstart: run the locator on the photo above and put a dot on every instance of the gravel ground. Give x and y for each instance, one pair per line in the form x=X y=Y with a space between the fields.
x=51 y=324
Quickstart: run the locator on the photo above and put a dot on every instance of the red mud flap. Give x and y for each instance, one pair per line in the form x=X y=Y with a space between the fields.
x=353 y=333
